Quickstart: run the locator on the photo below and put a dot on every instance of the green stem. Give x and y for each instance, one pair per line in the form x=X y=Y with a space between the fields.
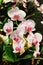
x=39 y=58
x=30 y=16
x=16 y=23
x=30 y=50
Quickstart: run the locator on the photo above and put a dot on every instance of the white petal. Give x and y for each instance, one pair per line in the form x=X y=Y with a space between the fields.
x=36 y=3
x=25 y=0
x=35 y=53
x=8 y=25
x=37 y=47
x=12 y=12
x=34 y=29
x=14 y=46
x=22 y=43
x=38 y=37
x=41 y=22
x=14 y=33
x=22 y=14
x=29 y=39
x=31 y=23
x=41 y=7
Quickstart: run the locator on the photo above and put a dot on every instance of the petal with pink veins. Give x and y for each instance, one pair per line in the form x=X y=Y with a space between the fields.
x=38 y=37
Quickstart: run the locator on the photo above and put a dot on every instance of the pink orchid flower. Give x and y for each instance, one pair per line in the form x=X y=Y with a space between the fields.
x=26 y=26
x=8 y=27
x=17 y=46
x=16 y=14
x=15 y=36
x=34 y=38
x=18 y=43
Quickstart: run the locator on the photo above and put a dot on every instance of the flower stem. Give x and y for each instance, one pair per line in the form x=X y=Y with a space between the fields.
x=39 y=58
x=16 y=23
x=30 y=15
x=30 y=50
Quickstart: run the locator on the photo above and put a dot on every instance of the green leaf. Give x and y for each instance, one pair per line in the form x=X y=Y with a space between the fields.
x=27 y=56
x=1 y=22
x=10 y=40
x=0 y=1
x=9 y=8
x=0 y=26
x=6 y=57
x=5 y=20
x=32 y=48
x=8 y=54
x=42 y=50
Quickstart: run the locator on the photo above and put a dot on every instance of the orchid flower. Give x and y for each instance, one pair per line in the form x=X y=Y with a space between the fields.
x=19 y=46
x=30 y=24
x=8 y=27
x=14 y=34
x=16 y=14
x=34 y=38
x=18 y=42
x=40 y=8
x=26 y=26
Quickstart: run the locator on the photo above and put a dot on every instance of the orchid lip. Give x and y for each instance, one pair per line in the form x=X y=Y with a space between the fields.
x=16 y=17
x=17 y=49
x=8 y=30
